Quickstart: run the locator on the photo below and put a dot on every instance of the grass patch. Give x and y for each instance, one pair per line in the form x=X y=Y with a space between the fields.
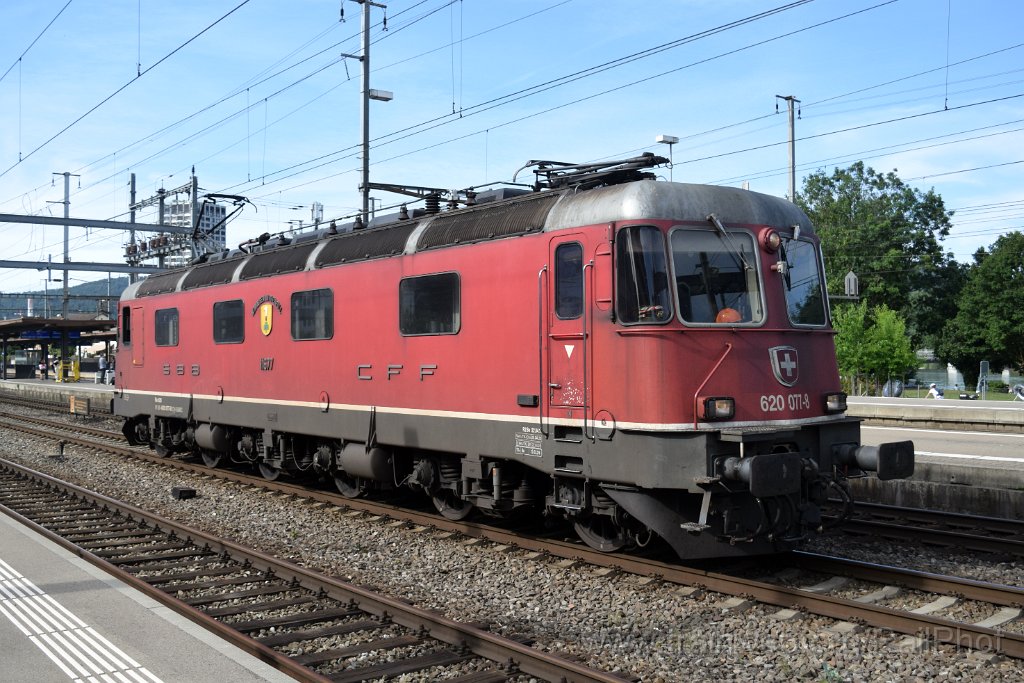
x=954 y=394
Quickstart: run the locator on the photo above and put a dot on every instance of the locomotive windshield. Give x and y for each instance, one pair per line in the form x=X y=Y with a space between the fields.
x=714 y=277
x=642 y=276
x=802 y=282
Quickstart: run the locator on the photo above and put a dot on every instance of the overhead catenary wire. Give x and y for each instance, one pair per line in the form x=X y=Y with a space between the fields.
x=262 y=102
x=614 y=62
x=466 y=112
x=122 y=88
x=35 y=40
x=861 y=90
x=691 y=136
x=867 y=154
x=245 y=87
x=490 y=104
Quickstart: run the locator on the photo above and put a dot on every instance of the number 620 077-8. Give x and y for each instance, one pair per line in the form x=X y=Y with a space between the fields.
x=775 y=403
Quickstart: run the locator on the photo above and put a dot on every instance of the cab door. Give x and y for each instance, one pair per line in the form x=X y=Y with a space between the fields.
x=567 y=352
x=137 y=328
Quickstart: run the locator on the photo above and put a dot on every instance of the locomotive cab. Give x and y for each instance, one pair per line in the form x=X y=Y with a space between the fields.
x=732 y=360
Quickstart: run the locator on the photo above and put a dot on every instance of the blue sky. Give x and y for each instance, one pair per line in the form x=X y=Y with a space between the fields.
x=257 y=96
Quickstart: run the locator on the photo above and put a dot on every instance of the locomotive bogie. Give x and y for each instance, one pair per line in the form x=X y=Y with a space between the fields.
x=640 y=360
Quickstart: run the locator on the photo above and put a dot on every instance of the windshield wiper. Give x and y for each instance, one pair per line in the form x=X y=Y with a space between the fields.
x=783 y=266
x=713 y=219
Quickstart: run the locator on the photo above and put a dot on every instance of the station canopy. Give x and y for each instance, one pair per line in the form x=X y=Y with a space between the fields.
x=49 y=330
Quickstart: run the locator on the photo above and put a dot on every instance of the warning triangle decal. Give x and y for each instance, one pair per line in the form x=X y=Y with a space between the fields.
x=569 y=348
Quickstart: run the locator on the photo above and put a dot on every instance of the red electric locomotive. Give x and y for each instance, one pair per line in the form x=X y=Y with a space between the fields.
x=642 y=358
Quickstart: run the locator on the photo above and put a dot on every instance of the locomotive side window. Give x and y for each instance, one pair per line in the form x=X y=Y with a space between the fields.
x=802 y=282
x=165 y=326
x=126 y=325
x=641 y=279
x=715 y=277
x=228 y=322
x=430 y=304
x=569 y=281
x=313 y=314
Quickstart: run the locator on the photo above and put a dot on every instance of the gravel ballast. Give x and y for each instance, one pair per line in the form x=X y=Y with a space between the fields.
x=651 y=629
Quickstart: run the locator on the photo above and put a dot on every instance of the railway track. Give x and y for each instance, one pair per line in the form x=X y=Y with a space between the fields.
x=99 y=408
x=939 y=528
x=310 y=626
x=799 y=595
x=71 y=431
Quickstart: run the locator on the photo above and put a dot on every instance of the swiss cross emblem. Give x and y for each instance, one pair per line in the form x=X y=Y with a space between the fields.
x=784 y=364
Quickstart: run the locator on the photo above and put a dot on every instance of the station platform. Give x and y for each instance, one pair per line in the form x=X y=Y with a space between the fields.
x=951 y=413
x=98 y=395
x=62 y=619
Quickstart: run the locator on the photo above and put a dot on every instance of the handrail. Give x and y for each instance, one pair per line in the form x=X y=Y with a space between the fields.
x=696 y=394
x=587 y=404
x=540 y=347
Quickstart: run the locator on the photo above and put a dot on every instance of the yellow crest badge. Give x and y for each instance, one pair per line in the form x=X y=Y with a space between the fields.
x=265 y=307
x=266 y=318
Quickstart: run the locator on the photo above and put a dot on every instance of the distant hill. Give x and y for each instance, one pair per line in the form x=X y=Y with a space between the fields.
x=86 y=297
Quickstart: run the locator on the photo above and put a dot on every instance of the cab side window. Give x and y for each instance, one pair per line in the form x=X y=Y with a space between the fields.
x=569 y=281
x=126 y=325
x=641 y=283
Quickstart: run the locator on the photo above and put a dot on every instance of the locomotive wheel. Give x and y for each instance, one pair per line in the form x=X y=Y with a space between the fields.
x=451 y=506
x=212 y=458
x=347 y=486
x=601 y=533
x=270 y=472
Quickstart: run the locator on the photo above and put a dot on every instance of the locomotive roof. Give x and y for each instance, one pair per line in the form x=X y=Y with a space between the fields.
x=533 y=212
x=675 y=201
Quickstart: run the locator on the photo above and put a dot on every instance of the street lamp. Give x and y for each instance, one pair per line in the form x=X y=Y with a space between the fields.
x=668 y=140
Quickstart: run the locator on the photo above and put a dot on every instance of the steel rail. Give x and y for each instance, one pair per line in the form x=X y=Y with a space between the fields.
x=958 y=539
x=275 y=659
x=936 y=628
x=999 y=525
x=91 y=431
x=997 y=594
x=6 y=396
x=482 y=643
x=972 y=532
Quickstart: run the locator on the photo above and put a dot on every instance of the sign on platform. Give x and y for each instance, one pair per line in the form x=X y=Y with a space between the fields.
x=79 y=406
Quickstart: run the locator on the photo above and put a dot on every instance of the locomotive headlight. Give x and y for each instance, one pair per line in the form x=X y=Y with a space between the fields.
x=835 y=403
x=770 y=240
x=717 y=408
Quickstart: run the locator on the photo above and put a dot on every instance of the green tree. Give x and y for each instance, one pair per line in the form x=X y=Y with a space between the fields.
x=889 y=350
x=872 y=345
x=888 y=234
x=851 y=324
x=989 y=324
